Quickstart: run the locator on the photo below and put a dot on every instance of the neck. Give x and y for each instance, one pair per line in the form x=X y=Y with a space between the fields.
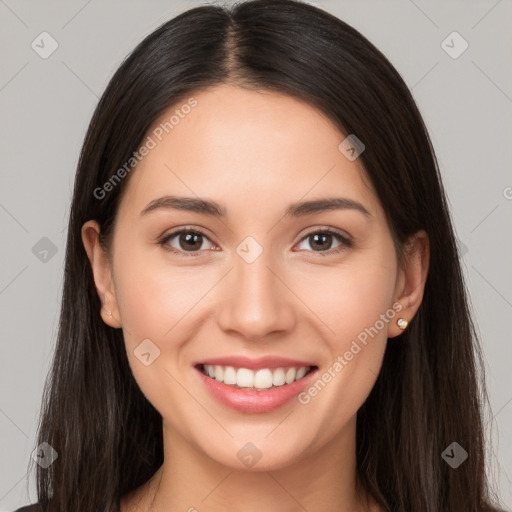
x=190 y=481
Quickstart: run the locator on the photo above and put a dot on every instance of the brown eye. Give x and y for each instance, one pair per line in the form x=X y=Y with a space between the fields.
x=324 y=241
x=320 y=241
x=190 y=241
x=185 y=241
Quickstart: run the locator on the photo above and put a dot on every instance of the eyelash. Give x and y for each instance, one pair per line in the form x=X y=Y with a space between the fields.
x=345 y=243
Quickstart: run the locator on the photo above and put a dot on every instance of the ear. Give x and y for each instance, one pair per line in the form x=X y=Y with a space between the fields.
x=411 y=279
x=102 y=273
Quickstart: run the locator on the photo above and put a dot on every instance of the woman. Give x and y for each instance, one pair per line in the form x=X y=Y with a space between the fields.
x=263 y=304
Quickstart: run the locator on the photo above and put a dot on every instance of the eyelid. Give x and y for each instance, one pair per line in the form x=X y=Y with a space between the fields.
x=344 y=238
x=164 y=239
x=326 y=229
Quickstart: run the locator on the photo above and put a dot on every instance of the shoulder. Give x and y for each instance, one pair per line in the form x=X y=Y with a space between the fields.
x=30 y=508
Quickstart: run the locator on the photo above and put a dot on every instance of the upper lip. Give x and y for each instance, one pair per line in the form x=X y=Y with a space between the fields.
x=254 y=363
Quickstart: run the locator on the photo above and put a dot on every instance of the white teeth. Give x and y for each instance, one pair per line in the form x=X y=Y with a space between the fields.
x=244 y=378
x=262 y=379
x=300 y=373
x=229 y=375
x=290 y=375
x=278 y=378
x=259 y=379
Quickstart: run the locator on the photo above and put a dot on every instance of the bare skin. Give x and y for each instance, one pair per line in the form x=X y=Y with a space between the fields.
x=254 y=153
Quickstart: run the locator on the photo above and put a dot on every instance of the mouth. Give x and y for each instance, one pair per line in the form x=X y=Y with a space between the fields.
x=263 y=379
x=254 y=385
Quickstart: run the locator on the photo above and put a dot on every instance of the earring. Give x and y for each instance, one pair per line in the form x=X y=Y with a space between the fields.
x=402 y=323
x=108 y=313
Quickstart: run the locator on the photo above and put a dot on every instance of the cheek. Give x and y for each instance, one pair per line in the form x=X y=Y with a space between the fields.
x=154 y=295
x=350 y=298
x=355 y=301
x=154 y=299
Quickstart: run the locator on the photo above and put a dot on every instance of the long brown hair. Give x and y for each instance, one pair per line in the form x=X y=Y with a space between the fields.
x=430 y=390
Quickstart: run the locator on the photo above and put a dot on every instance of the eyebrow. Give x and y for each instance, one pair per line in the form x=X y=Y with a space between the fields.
x=207 y=207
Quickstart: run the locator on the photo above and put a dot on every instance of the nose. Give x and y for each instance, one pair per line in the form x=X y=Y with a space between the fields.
x=255 y=301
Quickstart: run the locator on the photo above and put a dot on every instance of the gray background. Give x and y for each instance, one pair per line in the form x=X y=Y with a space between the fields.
x=45 y=107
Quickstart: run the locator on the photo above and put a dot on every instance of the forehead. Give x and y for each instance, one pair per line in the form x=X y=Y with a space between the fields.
x=246 y=149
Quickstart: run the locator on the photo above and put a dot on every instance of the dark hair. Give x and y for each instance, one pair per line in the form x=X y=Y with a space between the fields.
x=427 y=395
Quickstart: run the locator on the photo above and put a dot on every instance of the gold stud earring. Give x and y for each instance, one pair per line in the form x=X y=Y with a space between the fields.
x=402 y=323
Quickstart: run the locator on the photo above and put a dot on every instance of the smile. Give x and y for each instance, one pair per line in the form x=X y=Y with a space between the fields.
x=253 y=386
x=262 y=379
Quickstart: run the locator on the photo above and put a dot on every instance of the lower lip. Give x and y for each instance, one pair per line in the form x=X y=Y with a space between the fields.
x=252 y=401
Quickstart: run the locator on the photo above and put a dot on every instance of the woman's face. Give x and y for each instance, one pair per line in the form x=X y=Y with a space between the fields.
x=258 y=285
